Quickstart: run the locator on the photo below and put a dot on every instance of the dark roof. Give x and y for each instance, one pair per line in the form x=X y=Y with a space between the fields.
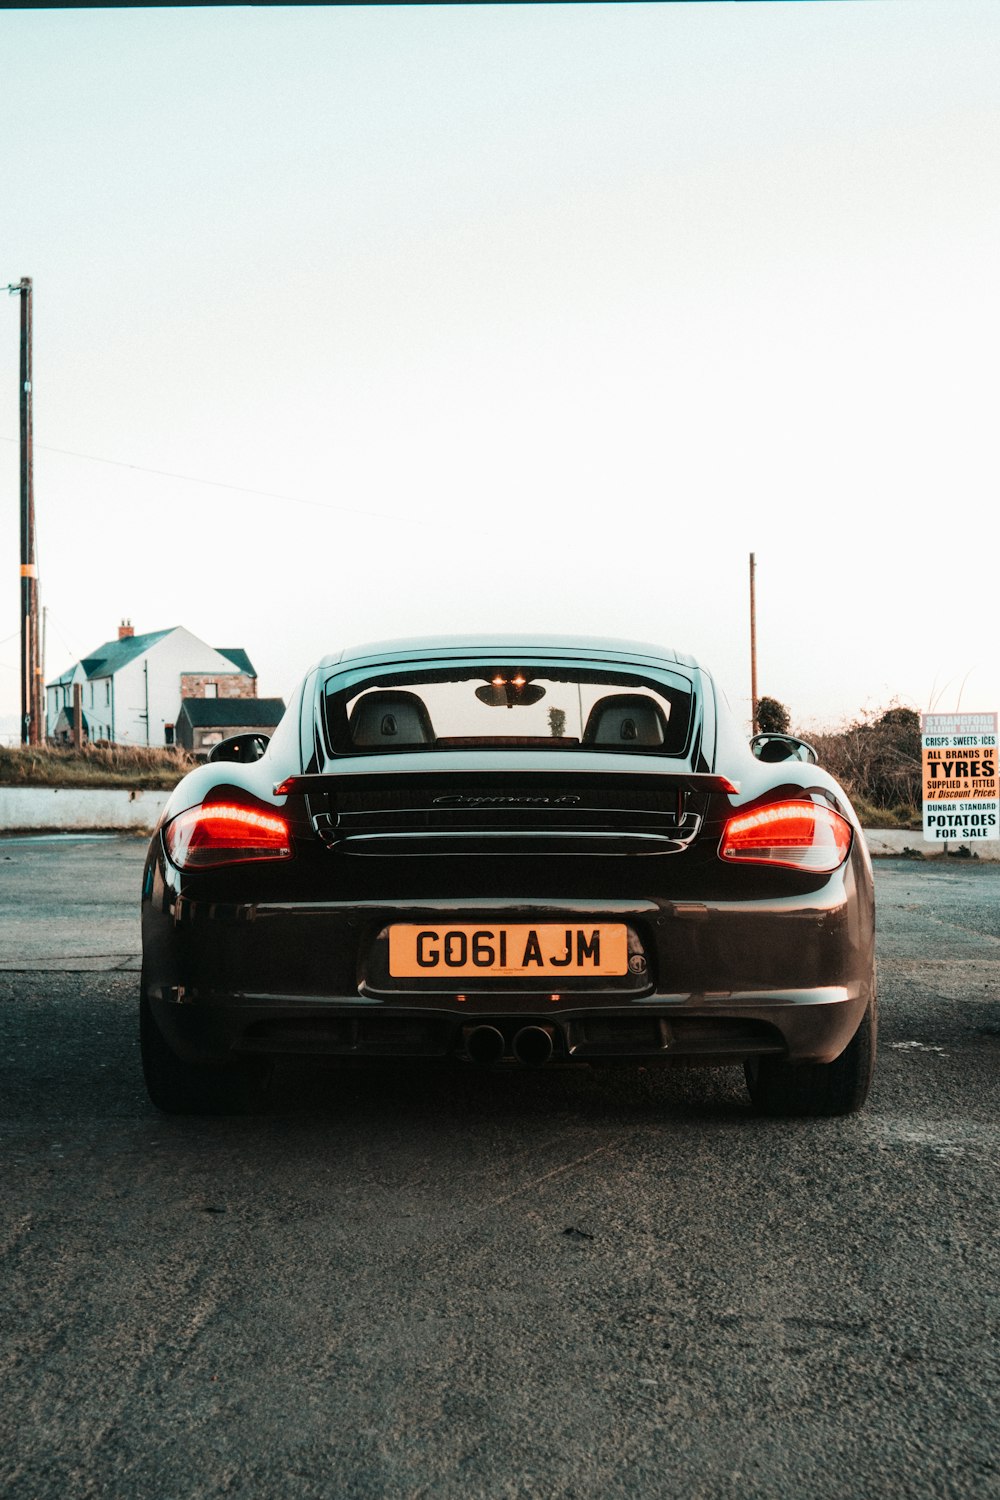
x=238 y=713
x=114 y=655
x=239 y=659
x=594 y=647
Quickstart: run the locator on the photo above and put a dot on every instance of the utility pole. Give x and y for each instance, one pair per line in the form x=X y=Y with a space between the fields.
x=753 y=643
x=78 y=717
x=31 y=670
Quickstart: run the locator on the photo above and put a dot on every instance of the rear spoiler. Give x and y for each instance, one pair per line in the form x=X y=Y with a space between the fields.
x=321 y=783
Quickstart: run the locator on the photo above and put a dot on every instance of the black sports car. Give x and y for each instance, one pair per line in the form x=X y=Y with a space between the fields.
x=504 y=852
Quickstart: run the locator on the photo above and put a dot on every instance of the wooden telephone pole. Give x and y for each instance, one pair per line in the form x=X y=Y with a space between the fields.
x=32 y=687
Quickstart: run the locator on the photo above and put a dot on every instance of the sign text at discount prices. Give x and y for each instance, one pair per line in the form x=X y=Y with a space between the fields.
x=960 y=781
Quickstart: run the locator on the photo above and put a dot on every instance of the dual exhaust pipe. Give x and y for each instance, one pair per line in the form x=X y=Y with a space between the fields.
x=532 y=1045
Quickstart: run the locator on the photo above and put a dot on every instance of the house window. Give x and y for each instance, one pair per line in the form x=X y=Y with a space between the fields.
x=211 y=689
x=107 y=689
x=168 y=734
x=211 y=737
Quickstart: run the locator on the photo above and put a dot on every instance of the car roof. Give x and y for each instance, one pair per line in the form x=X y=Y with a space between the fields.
x=433 y=647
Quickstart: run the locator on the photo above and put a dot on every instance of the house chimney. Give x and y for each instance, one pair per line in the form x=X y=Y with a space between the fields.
x=125 y=631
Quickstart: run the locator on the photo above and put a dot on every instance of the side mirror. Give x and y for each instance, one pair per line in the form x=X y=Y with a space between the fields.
x=241 y=747
x=773 y=747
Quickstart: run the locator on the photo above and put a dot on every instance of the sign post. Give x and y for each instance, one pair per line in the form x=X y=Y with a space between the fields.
x=960 y=781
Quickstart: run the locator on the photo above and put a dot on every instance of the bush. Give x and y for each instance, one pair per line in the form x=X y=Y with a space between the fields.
x=878 y=761
x=772 y=717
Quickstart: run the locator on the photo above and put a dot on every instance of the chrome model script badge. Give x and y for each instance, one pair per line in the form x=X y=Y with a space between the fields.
x=456 y=799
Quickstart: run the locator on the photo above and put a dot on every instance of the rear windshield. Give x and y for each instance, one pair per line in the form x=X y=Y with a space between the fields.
x=507 y=704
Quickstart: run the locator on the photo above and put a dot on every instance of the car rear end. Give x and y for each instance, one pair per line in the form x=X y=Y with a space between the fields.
x=621 y=881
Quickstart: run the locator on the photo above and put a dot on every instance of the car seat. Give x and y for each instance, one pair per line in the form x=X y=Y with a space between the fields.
x=390 y=720
x=625 y=719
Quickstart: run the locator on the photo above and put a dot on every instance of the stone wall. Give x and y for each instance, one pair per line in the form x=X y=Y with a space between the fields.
x=227 y=684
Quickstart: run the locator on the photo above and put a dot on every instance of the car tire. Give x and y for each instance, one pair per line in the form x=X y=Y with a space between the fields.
x=178 y=1087
x=784 y=1089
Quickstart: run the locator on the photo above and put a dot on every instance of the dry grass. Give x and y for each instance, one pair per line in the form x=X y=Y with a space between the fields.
x=902 y=815
x=95 y=766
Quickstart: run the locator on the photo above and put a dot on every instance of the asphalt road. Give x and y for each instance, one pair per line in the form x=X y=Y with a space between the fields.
x=457 y=1285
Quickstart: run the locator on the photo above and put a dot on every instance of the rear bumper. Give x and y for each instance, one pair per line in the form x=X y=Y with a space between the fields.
x=720 y=978
x=802 y=1025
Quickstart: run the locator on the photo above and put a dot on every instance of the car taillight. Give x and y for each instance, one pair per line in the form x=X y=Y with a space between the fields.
x=219 y=834
x=798 y=835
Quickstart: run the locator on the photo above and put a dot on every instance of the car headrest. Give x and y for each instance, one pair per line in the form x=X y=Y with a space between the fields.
x=625 y=719
x=390 y=719
x=774 y=750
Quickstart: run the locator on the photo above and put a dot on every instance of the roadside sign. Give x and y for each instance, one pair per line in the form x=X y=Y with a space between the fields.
x=961 y=786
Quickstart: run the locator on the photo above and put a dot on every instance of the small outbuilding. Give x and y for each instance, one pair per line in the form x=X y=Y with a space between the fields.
x=63 y=733
x=204 y=722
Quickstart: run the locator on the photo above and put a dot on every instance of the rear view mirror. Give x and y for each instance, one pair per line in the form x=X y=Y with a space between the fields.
x=775 y=747
x=508 y=694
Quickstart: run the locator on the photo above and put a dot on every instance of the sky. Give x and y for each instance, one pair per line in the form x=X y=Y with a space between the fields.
x=372 y=322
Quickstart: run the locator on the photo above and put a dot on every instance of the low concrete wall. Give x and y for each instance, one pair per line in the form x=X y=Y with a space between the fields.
x=76 y=809
x=909 y=844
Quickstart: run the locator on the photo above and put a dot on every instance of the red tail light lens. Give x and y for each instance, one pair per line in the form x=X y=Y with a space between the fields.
x=222 y=835
x=797 y=835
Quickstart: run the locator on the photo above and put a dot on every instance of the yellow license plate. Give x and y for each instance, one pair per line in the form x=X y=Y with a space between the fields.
x=546 y=951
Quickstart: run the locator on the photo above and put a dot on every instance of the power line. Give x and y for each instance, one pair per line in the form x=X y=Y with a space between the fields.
x=59 y=632
x=219 y=484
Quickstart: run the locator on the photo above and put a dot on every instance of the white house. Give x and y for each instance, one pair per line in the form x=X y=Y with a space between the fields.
x=133 y=686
